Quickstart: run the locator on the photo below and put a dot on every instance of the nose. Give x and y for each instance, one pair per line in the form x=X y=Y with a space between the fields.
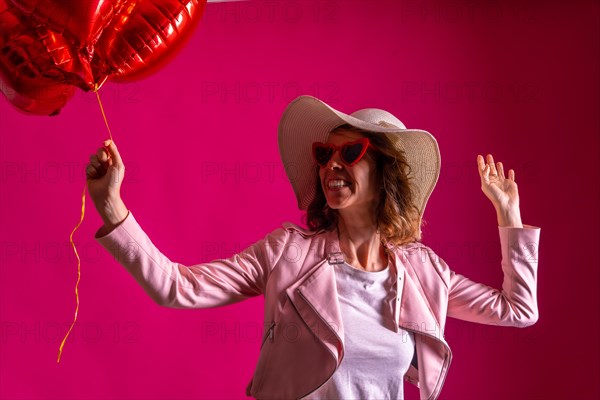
x=335 y=161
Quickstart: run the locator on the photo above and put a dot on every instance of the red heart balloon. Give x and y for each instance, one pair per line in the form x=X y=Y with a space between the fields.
x=80 y=21
x=35 y=96
x=45 y=46
x=36 y=65
x=144 y=36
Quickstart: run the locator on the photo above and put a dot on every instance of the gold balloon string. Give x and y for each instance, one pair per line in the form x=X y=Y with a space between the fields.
x=78 y=273
x=73 y=231
x=102 y=110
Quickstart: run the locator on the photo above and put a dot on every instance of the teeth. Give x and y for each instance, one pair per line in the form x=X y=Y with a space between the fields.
x=338 y=183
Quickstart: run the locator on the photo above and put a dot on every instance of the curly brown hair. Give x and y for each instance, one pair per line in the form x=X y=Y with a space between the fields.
x=397 y=217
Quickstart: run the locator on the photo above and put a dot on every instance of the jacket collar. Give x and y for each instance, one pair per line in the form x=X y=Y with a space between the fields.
x=316 y=299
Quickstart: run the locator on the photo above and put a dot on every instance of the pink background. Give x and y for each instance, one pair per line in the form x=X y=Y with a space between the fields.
x=515 y=79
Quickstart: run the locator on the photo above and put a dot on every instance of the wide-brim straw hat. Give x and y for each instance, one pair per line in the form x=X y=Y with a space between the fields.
x=308 y=119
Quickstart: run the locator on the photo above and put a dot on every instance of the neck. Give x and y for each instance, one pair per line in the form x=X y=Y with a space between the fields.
x=360 y=242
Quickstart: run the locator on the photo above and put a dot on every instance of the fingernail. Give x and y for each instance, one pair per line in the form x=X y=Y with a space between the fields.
x=107 y=142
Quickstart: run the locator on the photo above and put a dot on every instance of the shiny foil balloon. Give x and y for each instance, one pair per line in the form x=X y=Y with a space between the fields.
x=33 y=65
x=50 y=45
x=80 y=21
x=36 y=96
x=145 y=36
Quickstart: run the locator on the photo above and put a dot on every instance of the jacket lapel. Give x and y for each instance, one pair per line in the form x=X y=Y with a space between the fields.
x=415 y=311
x=431 y=348
x=316 y=300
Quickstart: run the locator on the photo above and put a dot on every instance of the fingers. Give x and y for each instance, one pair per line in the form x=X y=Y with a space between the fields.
x=102 y=155
x=105 y=157
x=113 y=151
x=511 y=174
x=91 y=172
x=483 y=169
x=94 y=161
x=492 y=167
x=490 y=170
x=500 y=169
x=95 y=168
x=480 y=163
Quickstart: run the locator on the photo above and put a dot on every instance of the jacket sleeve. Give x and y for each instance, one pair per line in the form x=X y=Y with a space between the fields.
x=516 y=304
x=213 y=284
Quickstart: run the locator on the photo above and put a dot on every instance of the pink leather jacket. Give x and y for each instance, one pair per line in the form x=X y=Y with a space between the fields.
x=303 y=342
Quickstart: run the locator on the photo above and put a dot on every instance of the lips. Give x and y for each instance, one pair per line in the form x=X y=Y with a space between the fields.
x=338 y=183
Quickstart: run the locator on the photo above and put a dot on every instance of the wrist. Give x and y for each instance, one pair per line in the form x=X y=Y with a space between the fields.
x=509 y=218
x=114 y=212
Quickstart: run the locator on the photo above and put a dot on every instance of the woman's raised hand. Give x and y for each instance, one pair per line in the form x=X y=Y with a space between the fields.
x=105 y=174
x=501 y=190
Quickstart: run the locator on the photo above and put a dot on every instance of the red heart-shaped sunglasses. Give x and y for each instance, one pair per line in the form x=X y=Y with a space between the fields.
x=350 y=152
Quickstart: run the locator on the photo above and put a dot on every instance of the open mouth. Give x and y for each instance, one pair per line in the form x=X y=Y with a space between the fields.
x=337 y=184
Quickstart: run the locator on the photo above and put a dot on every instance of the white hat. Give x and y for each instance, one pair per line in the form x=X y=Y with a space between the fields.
x=308 y=119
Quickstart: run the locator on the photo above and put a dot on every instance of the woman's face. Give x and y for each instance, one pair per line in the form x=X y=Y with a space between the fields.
x=345 y=187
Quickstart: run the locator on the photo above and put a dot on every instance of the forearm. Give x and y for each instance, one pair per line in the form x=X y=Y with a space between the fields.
x=519 y=265
x=171 y=284
x=516 y=304
x=509 y=218
x=167 y=283
x=113 y=212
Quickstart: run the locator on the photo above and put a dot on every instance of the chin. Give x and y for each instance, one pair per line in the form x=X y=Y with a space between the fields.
x=337 y=205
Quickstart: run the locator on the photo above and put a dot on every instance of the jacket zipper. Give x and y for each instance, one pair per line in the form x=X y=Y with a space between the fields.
x=316 y=312
x=270 y=334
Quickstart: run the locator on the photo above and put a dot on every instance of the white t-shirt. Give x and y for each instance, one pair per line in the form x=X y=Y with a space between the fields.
x=376 y=356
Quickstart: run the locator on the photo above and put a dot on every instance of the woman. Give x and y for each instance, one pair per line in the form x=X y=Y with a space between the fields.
x=356 y=301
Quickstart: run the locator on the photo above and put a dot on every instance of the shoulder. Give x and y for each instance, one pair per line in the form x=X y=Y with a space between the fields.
x=415 y=251
x=289 y=233
x=423 y=260
x=301 y=232
x=291 y=244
